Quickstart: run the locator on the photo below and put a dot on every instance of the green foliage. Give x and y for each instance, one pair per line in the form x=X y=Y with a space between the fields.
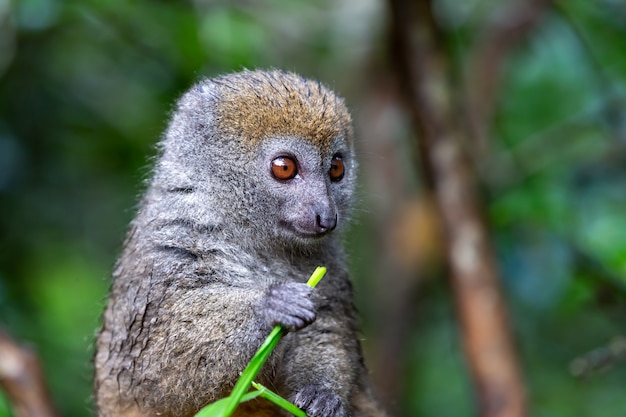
x=5 y=409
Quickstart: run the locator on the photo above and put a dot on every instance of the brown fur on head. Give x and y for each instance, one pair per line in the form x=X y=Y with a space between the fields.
x=256 y=105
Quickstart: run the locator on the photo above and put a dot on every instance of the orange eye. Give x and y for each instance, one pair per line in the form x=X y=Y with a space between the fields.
x=284 y=168
x=336 y=168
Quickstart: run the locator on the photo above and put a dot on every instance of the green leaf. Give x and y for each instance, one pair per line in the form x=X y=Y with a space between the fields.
x=251 y=371
x=278 y=400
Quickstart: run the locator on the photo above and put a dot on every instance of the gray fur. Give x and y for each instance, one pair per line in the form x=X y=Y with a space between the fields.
x=211 y=261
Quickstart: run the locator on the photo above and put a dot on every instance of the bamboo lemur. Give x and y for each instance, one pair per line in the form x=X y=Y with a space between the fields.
x=255 y=177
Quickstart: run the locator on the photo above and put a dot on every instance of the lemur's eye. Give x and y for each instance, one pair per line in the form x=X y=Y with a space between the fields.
x=284 y=168
x=336 y=168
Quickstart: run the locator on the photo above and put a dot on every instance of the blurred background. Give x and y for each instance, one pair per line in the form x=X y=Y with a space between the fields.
x=86 y=88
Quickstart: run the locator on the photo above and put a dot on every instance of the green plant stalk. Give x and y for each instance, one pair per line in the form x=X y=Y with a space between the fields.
x=251 y=371
x=257 y=361
x=316 y=276
x=278 y=400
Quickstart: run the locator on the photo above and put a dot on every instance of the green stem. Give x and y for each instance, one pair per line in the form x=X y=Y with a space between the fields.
x=251 y=371
x=316 y=276
x=255 y=364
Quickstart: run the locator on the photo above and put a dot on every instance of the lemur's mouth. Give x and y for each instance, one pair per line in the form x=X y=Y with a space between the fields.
x=304 y=234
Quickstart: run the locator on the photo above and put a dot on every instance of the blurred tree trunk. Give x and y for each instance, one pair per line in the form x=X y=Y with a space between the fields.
x=447 y=141
x=22 y=378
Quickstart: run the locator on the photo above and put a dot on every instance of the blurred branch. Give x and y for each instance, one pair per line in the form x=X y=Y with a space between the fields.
x=407 y=238
x=599 y=359
x=424 y=70
x=22 y=379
